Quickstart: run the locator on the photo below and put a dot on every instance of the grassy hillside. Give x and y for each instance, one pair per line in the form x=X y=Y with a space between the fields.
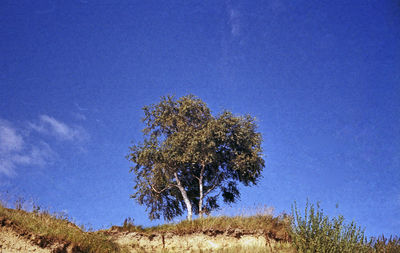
x=45 y=229
x=309 y=231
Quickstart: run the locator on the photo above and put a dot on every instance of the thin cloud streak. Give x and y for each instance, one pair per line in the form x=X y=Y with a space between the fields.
x=38 y=155
x=15 y=151
x=234 y=21
x=51 y=126
x=9 y=139
x=6 y=167
x=24 y=150
x=79 y=116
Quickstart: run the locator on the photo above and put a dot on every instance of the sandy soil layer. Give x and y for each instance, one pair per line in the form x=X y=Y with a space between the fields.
x=138 y=242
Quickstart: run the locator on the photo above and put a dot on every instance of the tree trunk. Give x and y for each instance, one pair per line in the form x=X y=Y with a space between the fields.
x=201 y=191
x=185 y=198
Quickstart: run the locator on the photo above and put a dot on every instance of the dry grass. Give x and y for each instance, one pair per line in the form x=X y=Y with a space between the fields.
x=57 y=228
x=385 y=245
x=289 y=234
x=265 y=224
x=276 y=248
x=257 y=222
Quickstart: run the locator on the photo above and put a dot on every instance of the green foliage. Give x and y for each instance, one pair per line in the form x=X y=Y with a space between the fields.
x=189 y=158
x=315 y=232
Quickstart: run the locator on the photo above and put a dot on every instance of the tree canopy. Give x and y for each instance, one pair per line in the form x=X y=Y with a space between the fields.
x=189 y=159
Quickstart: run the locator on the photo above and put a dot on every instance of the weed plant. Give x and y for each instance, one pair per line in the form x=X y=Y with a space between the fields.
x=386 y=245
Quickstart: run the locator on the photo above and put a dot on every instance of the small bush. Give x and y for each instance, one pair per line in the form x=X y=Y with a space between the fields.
x=315 y=232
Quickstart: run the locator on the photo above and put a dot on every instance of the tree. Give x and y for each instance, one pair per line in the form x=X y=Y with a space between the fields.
x=189 y=157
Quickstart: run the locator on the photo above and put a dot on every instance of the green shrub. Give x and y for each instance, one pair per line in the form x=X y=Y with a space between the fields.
x=315 y=232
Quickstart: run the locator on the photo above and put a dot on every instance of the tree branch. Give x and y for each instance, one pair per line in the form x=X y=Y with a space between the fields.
x=195 y=176
x=159 y=192
x=201 y=172
x=162 y=190
x=216 y=182
x=177 y=179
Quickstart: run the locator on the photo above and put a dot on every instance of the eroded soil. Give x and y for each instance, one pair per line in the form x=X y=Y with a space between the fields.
x=15 y=239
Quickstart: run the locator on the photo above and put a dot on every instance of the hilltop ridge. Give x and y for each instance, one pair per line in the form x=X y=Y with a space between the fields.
x=42 y=232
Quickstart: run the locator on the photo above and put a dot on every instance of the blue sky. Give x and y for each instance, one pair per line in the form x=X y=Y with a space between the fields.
x=321 y=77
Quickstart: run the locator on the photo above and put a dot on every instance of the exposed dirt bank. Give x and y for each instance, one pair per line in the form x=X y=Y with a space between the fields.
x=10 y=241
x=15 y=239
x=194 y=242
x=206 y=241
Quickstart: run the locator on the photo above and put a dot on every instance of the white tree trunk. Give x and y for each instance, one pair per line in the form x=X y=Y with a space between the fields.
x=201 y=192
x=185 y=198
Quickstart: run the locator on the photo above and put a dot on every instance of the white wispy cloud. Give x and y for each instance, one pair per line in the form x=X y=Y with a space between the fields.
x=9 y=139
x=234 y=21
x=52 y=126
x=15 y=151
x=79 y=116
x=6 y=167
x=40 y=155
